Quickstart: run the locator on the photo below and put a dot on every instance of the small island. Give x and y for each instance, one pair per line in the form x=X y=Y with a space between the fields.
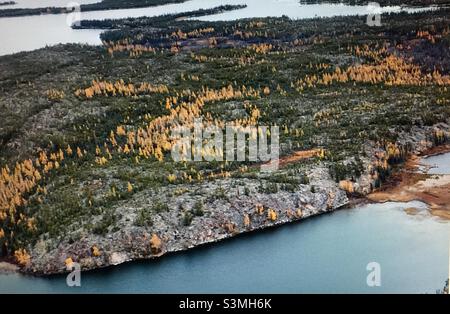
x=98 y=6
x=8 y=3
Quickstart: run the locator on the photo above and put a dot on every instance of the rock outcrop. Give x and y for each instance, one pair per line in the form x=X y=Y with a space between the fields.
x=228 y=213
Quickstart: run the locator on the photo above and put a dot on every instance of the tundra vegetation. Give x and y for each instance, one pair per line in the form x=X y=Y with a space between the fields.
x=86 y=129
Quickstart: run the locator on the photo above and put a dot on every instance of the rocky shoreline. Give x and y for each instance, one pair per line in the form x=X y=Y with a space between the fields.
x=116 y=257
x=223 y=218
x=240 y=208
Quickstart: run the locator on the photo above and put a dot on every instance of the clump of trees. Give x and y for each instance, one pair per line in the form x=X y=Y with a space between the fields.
x=119 y=88
x=386 y=68
x=340 y=171
x=439 y=137
x=15 y=187
x=55 y=95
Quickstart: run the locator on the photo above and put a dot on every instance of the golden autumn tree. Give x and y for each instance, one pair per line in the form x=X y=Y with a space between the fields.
x=155 y=244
